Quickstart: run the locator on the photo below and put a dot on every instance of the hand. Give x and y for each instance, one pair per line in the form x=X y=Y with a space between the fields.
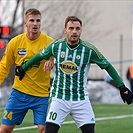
x=48 y=65
x=19 y=72
x=126 y=94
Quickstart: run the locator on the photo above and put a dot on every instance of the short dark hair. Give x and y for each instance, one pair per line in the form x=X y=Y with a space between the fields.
x=32 y=11
x=72 y=18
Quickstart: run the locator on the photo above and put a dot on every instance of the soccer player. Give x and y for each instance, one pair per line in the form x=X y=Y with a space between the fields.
x=72 y=57
x=32 y=92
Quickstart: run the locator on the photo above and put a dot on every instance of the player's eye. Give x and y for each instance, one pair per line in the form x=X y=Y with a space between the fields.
x=71 y=28
x=38 y=20
x=31 y=20
x=78 y=28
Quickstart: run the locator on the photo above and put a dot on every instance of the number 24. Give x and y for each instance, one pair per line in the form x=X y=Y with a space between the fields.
x=7 y=115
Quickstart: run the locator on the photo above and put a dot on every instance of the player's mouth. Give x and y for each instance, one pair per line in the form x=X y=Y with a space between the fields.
x=73 y=35
x=35 y=28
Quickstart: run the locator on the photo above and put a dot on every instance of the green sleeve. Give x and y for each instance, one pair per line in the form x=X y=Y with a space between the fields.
x=98 y=58
x=35 y=59
x=113 y=73
x=46 y=53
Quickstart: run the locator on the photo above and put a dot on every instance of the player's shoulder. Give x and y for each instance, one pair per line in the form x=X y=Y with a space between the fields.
x=92 y=47
x=89 y=45
x=86 y=43
x=18 y=37
x=61 y=40
x=58 y=41
x=46 y=36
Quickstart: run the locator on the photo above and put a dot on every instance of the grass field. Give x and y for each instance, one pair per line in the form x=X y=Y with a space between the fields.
x=110 y=118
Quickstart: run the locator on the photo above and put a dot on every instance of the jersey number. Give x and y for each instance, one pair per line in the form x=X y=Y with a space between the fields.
x=53 y=115
x=7 y=115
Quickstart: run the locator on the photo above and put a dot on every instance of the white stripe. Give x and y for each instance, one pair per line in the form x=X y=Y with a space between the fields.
x=58 y=59
x=70 y=122
x=86 y=76
x=71 y=76
x=64 y=85
x=24 y=128
x=81 y=63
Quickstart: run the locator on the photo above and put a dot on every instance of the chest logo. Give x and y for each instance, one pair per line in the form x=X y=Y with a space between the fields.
x=78 y=57
x=68 y=67
x=21 y=51
x=62 y=54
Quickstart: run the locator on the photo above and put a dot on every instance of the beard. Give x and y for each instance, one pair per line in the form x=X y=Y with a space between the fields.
x=74 y=40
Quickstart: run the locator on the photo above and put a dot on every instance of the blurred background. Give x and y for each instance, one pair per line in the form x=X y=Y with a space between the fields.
x=106 y=24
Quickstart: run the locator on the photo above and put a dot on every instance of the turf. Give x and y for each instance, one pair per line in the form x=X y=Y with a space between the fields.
x=110 y=118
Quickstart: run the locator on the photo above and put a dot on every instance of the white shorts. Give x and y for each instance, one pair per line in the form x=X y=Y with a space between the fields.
x=81 y=112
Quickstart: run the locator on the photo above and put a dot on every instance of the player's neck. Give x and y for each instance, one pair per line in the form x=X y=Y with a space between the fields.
x=32 y=36
x=72 y=46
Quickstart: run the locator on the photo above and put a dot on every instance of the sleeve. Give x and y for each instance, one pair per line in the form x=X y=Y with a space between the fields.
x=103 y=63
x=46 y=53
x=6 y=61
x=113 y=73
x=98 y=58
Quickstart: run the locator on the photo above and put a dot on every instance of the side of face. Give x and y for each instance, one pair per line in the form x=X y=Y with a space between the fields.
x=33 y=23
x=73 y=31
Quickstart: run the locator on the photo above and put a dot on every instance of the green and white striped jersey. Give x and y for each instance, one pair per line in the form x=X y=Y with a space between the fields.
x=72 y=66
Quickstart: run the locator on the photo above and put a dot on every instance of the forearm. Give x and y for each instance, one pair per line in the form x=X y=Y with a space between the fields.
x=35 y=59
x=113 y=73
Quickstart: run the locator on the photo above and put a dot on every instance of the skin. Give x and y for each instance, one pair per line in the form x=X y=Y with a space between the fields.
x=73 y=31
x=48 y=65
x=33 y=24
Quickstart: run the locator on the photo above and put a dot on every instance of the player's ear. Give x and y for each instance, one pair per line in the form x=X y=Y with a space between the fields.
x=64 y=30
x=25 y=23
